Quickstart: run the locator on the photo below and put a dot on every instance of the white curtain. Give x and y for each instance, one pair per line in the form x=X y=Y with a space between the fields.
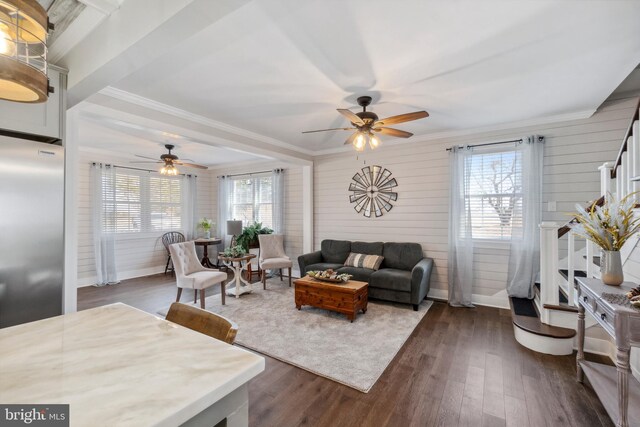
x=524 y=258
x=190 y=206
x=460 y=268
x=277 y=200
x=224 y=194
x=103 y=187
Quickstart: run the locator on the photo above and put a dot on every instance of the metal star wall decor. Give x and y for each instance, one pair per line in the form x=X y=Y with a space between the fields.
x=372 y=191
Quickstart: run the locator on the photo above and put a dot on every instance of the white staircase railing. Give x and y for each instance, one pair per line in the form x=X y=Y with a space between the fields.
x=619 y=178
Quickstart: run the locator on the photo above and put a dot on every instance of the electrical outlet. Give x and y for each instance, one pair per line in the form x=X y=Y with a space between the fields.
x=551 y=206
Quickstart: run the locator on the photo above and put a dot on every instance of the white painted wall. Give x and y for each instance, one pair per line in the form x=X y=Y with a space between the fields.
x=293 y=233
x=135 y=255
x=574 y=150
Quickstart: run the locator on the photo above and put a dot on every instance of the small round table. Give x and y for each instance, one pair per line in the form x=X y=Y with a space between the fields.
x=237 y=265
x=206 y=262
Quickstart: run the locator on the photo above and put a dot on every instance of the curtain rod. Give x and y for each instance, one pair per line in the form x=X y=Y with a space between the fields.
x=250 y=173
x=140 y=169
x=540 y=138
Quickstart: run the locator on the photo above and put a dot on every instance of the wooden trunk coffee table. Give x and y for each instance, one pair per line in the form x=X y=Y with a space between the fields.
x=347 y=298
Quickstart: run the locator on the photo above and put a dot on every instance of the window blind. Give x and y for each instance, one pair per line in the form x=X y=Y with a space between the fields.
x=251 y=200
x=136 y=201
x=493 y=193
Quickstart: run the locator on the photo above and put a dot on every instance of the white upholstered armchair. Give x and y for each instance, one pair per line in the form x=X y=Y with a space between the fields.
x=191 y=274
x=272 y=256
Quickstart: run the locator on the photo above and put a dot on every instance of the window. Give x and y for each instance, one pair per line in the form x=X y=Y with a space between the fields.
x=251 y=200
x=139 y=202
x=494 y=193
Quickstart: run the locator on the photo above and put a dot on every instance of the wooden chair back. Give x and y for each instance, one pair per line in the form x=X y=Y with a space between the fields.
x=172 y=237
x=203 y=321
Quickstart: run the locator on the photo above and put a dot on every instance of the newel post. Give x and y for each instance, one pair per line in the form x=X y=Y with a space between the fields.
x=548 y=267
x=605 y=178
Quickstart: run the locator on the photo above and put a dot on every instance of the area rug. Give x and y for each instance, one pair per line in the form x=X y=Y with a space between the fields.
x=319 y=341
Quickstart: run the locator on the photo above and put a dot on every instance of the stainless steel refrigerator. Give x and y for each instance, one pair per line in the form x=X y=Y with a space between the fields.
x=31 y=230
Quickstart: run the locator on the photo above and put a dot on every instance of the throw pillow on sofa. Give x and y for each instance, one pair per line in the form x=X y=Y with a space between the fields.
x=371 y=262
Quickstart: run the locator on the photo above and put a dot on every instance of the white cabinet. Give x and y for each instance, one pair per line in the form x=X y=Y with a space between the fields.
x=39 y=119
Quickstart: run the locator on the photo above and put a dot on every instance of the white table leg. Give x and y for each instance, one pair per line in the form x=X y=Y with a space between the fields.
x=242 y=286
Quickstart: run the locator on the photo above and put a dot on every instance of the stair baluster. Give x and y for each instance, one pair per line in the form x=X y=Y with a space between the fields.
x=571 y=265
x=590 y=247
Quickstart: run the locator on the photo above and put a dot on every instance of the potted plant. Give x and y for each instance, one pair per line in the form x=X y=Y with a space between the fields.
x=249 y=237
x=206 y=224
x=609 y=227
x=234 y=252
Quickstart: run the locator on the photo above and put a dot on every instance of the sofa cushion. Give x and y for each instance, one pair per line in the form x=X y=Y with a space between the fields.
x=391 y=278
x=335 y=251
x=321 y=266
x=402 y=256
x=369 y=248
x=371 y=262
x=361 y=274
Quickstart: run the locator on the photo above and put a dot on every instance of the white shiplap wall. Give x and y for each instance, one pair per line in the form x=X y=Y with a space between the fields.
x=135 y=255
x=293 y=200
x=574 y=150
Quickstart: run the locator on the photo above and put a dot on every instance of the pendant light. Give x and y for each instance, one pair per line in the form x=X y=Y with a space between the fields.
x=24 y=27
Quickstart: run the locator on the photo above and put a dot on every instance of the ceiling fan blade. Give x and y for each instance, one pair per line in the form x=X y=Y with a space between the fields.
x=190 y=165
x=145 y=162
x=393 y=132
x=351 y=116
x=351 y=138
x=145 y=157
x=402 y=118
x=325 y=130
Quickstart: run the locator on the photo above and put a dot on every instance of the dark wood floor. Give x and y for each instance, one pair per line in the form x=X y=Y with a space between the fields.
x=460 y=367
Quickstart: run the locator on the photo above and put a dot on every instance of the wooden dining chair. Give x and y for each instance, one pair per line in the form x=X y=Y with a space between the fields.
x=169 y=239
x=203 y=321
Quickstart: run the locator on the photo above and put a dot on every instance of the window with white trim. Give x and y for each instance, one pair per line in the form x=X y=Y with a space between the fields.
x=141 y=202
x=250 y=200
x=494 y=193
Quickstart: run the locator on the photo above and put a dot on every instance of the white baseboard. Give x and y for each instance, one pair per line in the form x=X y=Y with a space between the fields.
x=132 y=274
x=499 y=300
x=124 y=275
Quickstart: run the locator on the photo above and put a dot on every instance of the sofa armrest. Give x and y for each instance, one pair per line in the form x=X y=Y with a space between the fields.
x=308 y=259
x=421 y=280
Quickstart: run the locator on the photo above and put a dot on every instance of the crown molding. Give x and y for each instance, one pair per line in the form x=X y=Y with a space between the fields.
x=177 y=112
x=196 y=118
x=578 y=115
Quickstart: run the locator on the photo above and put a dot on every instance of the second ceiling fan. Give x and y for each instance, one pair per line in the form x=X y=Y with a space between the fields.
x=367 y=124
x=170 y=160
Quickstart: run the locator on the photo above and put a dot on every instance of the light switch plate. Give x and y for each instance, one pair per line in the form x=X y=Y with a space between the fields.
x=551 y=206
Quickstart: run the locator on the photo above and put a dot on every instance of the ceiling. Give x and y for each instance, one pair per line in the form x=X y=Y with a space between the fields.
x=279 y=67
x=124 y=139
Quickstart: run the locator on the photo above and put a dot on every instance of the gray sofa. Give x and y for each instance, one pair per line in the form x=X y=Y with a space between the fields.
x=404 y=274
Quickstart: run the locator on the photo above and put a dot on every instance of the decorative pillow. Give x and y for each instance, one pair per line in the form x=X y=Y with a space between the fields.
x=371 y=262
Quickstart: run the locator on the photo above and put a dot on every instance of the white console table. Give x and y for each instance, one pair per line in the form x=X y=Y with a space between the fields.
x=613 y=385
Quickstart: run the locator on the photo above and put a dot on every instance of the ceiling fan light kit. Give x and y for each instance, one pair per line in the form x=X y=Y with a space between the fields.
x=24 y=28
x=366 y=124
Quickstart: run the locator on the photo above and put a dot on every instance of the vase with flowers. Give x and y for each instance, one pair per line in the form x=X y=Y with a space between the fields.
x=609 y=226
x=206 y=224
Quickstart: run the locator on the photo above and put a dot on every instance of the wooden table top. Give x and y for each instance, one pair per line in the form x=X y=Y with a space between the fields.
x=354 y=285
x=212 y=241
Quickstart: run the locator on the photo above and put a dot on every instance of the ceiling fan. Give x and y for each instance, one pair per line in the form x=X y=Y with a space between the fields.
x=366 y=124
x=170 y=160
